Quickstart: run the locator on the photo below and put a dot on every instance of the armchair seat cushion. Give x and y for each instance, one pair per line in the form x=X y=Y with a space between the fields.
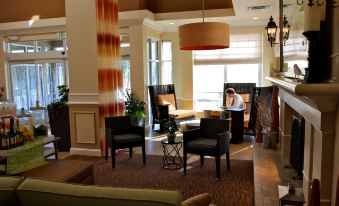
x=182 y=114
x=202 y=145
x=128 y=138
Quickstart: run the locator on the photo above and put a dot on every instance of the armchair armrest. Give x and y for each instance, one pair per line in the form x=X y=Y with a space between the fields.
x=223 y=141
x=163 y=110
x=191 y=135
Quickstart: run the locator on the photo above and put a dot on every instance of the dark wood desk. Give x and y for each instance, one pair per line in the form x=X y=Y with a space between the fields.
x=237 y=125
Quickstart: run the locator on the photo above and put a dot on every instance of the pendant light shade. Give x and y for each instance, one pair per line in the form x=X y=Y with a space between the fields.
x=204 y=36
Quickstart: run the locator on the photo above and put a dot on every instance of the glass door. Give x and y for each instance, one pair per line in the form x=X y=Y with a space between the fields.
x=24 y=82
x=36 y=80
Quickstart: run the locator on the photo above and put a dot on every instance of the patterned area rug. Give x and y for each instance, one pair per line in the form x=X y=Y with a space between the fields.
x=235 y=187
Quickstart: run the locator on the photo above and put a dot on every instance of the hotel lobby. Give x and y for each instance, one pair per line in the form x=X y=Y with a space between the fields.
x=102 y=63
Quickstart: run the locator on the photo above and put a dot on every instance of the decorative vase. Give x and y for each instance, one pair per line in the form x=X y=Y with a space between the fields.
x=270 y=140
x=171 y=137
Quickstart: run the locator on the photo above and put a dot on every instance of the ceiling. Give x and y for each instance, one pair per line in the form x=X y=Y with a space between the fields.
x=233 y=12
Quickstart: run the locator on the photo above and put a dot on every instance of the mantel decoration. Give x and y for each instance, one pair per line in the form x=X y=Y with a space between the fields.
x=334 y=3
x=271 y=30
x=266 y=118
x=204 y=35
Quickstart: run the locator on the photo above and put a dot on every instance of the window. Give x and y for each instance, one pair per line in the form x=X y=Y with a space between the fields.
x=36 y=46
x=126 y=72
x=212 y=68
x=166 y=62
x=153 y=62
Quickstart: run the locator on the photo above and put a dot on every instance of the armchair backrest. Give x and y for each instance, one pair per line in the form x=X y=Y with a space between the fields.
x=240 y=88
x=155 y=91
x=119 y=124
x=211 y=127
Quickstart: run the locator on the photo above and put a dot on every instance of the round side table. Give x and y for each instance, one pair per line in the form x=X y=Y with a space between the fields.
x=171 y=158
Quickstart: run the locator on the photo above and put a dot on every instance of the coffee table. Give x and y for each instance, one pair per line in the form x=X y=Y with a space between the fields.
x=171 y=158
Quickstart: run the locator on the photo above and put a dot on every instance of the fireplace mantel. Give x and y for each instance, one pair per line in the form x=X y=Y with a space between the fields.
x=317 y=104
x=323 y=97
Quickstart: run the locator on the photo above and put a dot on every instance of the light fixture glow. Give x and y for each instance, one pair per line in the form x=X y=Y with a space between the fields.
x=204 y=35
x=171 y=23
x=255 y=18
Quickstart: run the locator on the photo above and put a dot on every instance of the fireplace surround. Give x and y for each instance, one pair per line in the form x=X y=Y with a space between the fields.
x=317 y=104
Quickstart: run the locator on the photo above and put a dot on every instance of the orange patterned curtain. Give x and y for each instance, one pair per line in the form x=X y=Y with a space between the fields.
x=109 y=69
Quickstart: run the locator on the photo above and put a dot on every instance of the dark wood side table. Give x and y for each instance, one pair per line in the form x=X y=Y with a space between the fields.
x=285 y=198
x=237 y=125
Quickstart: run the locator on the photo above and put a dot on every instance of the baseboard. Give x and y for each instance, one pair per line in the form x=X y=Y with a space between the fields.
x=84 y=151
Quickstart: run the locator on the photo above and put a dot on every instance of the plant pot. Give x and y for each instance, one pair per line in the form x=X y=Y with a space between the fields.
x=270 y=140
x=171 y=137
x=137 y=121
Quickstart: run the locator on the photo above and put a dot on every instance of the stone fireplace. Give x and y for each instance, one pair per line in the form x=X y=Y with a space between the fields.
x=317 y=104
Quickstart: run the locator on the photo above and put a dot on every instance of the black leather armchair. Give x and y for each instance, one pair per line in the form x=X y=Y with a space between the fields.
x=120 y=133
x=211 y=139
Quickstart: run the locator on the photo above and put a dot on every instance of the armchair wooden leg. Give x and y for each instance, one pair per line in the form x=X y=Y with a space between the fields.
x=113 y=157
x=130 y=152
x=217 y=166
x=185 y=162
x=144 y=155
x=228 y=160
x=201 y=160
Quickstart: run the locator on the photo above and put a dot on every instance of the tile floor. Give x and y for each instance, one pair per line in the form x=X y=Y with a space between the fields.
x=269 y=168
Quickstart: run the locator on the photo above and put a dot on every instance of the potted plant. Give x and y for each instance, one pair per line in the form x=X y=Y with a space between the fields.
x=134 y=108
x=171 y=126
x=270 y=137
x=58 y=114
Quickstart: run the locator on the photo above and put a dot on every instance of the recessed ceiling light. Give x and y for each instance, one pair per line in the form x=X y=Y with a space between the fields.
x=171 y=23
x=255 y=18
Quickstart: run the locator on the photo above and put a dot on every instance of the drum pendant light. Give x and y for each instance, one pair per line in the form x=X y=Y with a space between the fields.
x=204 y=35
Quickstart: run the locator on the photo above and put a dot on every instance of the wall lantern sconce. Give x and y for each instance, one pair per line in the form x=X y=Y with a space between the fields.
x=271 y=30
x=334 y=3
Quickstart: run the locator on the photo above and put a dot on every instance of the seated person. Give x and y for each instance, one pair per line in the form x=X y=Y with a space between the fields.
x=234 y=101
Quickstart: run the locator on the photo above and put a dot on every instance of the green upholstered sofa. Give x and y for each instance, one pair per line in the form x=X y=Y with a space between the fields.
x=15 y=191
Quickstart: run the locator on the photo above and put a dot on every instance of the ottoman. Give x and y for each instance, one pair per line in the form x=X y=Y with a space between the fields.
x=73 y=171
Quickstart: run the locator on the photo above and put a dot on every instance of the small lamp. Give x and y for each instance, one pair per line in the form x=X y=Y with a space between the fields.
x=286 y=29
x=271 y=30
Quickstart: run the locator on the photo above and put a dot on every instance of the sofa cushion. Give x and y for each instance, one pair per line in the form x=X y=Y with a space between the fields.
x=167 y=99
x=182 y=114
x=198 y=200
x=40 y=192
x=202 y=144
x=7 y=190
x=128 y=138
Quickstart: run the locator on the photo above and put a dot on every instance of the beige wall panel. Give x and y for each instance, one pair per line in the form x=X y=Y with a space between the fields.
x=182 y=64
x=85 y=127
x=83 y=122
x=22 y=10
x=82 y=52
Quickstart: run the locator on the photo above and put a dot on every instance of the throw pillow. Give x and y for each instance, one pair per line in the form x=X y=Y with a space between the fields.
x=198 y=200
x=167 y=99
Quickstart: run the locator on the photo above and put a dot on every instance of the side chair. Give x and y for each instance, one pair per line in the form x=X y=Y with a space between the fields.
x=211 y=139
x=120 y=134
